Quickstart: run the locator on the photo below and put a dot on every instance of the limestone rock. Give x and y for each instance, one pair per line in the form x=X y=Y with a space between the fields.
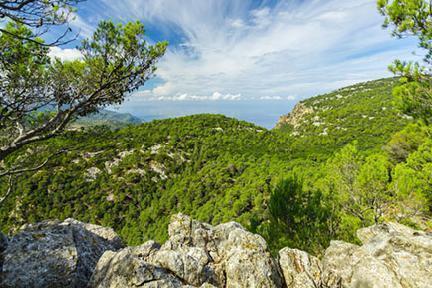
x=392 y=255
x=245 y=258
x=296 y=116
x=300 y=269
x=127 y=268
x=196 y=254
x=368 y=233
x=74 y=254
x=225 y=255
x=55 y=254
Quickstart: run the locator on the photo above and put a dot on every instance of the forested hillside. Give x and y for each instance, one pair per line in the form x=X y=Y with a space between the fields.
x=340 y=161
x=364 y=112
x=109 y=118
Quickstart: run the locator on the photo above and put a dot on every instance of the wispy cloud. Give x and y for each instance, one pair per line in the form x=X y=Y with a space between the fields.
x=265 y=50
x=81 y=26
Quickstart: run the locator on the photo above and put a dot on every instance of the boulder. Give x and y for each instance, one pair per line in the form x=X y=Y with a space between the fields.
x=300 y=270
x=244 y=258
x=392 y=255
x=128 y=268
x=196 y=254
x=55 y=254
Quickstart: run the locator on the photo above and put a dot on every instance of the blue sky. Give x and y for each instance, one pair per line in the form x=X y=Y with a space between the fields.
x=253 y=50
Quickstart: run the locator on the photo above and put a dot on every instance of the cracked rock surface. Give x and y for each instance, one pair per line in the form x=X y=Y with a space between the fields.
x=55 y=254
x=197 y=255
x=392 y=255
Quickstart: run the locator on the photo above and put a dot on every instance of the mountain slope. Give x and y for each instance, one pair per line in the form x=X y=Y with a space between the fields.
x=363 y=112
x=136 y=177
x=106 y=117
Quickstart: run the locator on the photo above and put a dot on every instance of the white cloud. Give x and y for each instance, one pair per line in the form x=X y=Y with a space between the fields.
x=270 y=98
x=65 y=54
x=164 y=90
x=237 y=23
x=291 y=48
x=149 y=95
x=219 y=96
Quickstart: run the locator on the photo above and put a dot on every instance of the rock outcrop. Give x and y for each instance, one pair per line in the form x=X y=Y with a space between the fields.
x=66 y=254
x=55 y=254
x=295 y=117
x=196 y=254
x=392 y=255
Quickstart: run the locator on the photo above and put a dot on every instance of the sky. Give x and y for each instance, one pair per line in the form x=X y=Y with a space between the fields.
x=239 y=56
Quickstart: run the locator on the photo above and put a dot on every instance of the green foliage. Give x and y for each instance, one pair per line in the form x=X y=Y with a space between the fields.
x=408 y=17
x=298 y=218
x=373 y=180
x=116 y=60
x=406 y=141
x=412 y=18
x=413 y=94
x=413 y=181
x=411 y=184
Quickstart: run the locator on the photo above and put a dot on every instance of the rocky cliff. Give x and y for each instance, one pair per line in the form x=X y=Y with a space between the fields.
x=296 y=117
x=74 y=254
